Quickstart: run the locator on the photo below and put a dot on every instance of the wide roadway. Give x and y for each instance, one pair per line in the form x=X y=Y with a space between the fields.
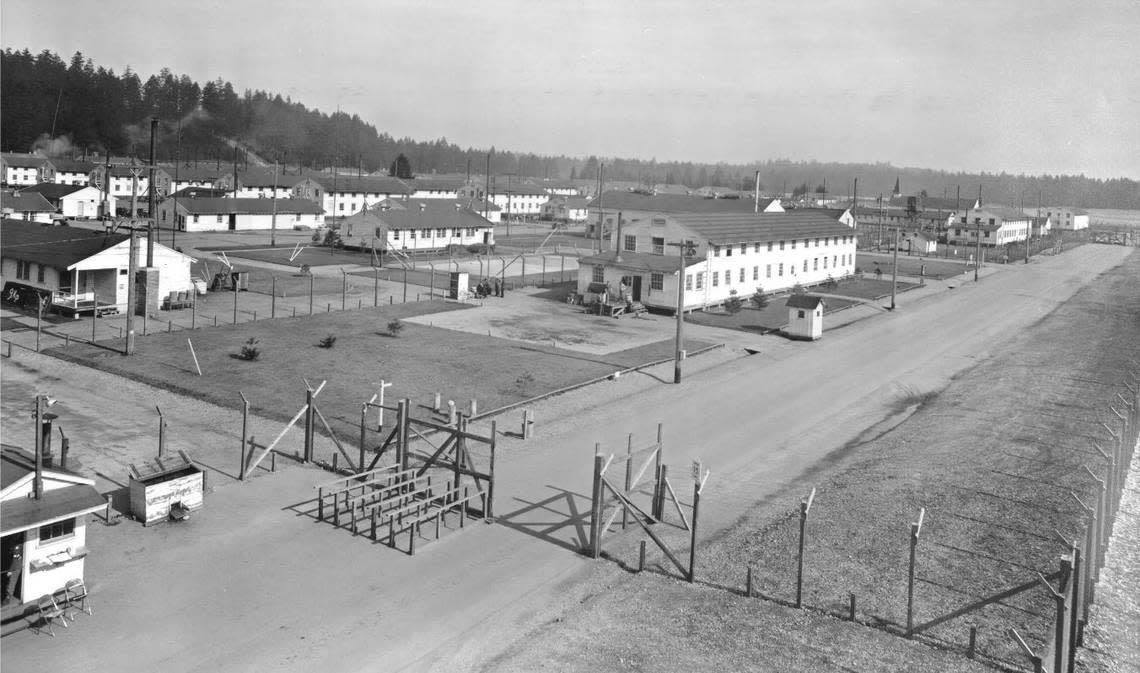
x=252 y=584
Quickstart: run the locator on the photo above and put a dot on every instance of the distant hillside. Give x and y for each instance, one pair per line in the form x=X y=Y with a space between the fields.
x=69 y=107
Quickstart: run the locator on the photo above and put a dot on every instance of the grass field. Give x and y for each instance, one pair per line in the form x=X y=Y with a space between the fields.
x=775 y=315
x=992 y=458
x=419 y=362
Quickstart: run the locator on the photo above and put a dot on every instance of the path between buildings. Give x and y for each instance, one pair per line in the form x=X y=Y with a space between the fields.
x=252 y=583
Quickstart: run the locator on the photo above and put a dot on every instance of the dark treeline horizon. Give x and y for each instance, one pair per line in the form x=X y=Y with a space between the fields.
x=75 y=107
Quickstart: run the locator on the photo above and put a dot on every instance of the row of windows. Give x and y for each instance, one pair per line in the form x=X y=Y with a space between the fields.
x=221 y=219
x=24 y=271
x=427 y=233
x=807 y=242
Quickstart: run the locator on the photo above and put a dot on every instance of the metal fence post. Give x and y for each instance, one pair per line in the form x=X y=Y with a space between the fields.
x=915 y=531
x=805 y=507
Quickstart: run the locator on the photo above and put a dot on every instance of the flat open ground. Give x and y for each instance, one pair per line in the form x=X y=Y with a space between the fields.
x=254 y=583
x=462 y=362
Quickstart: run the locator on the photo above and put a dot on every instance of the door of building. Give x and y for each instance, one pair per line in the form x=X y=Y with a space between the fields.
x=233 y=221
x=637 y=288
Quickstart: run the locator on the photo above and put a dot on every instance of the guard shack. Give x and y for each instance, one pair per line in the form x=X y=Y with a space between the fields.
x=805 y=317
x=458 y=286
x=166 y=488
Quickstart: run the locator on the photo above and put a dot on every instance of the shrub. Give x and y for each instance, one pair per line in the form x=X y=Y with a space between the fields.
x=733 y=304
x=394 y=327
x=759 y=299
x=328 y=342
x=831 y=283
x=798 y=289
x=332 y=239
x=249 y=350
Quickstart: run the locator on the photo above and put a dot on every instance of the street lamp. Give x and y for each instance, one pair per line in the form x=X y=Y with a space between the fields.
x=685 y=249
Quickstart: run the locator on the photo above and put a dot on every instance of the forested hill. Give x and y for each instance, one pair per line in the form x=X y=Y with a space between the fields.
x=68 y=107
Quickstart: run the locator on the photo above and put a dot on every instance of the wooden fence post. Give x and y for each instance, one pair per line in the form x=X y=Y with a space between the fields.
x=244 y=434
x=491 y=482
x=363 y=436
x=915 y=531
x=308 y=449
x=628 y=478
x=698 y=486
x=641 y=557
x=1075 y=580
x=595 y=500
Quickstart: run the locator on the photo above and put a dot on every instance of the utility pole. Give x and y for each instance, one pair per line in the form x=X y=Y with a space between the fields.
x=1028 y=230
x=879 y=240
x=107 y=187
x=756 y=194
x=273 y=219
x=174 y=187
x=487 y=192
x=895 y=270
x=152 y=194
x=685 y=249
x=132 y=271
x=601 y=186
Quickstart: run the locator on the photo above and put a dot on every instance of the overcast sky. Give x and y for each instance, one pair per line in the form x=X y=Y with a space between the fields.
x=1033 y=86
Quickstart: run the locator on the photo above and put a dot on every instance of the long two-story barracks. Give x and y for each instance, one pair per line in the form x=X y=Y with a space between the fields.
x=731 y=251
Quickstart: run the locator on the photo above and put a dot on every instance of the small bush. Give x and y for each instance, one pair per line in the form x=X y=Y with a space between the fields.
x=332 y=239
x=759 y=299
x=394 y=327
x=733 y=304
x=328 y=342
x=798 y=289
x=249 y=350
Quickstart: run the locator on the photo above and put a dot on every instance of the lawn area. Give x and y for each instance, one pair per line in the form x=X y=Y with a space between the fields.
x=419 y=362
x=775 y=315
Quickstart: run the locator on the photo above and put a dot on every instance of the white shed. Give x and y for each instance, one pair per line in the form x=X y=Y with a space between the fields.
x=805 y=317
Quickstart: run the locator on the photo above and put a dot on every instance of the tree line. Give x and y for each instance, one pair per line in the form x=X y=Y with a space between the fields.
x=75 y=106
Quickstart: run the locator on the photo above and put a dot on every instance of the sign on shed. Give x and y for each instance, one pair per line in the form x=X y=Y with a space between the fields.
x=168 y=487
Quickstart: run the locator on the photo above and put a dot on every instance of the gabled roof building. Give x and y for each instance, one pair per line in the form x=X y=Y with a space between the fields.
x=730 y=252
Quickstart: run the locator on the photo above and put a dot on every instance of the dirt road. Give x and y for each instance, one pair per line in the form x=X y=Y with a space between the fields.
x=253 y=583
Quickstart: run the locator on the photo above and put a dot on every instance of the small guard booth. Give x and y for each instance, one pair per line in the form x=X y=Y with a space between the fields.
x=166 y=488
x=44 y=538
x=805 y=317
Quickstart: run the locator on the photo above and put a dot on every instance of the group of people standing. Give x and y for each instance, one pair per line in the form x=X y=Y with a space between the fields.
x=486 y=289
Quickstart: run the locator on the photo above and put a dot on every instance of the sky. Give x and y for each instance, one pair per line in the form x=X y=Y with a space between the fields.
x=1021 y=86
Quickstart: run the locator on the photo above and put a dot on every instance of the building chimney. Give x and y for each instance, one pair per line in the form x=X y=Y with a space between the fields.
x=45 y=438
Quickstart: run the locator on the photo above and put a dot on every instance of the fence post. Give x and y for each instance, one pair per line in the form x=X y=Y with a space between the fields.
x=343 y=288
x=972 y=648
x=1075 y=581
x=641 y=557
x=234 y=281
x=663 y=478
x=542 y=278
x=161 y=432
x=363 y=436
x=915 y=531
x=595 y=500
x=628 y=478
x=375 y=287
x=273 y=300
x=308 y=424
x=805 y=507
x=698 y=486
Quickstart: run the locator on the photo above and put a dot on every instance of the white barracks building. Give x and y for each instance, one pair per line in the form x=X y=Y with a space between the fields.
x=732 y=251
